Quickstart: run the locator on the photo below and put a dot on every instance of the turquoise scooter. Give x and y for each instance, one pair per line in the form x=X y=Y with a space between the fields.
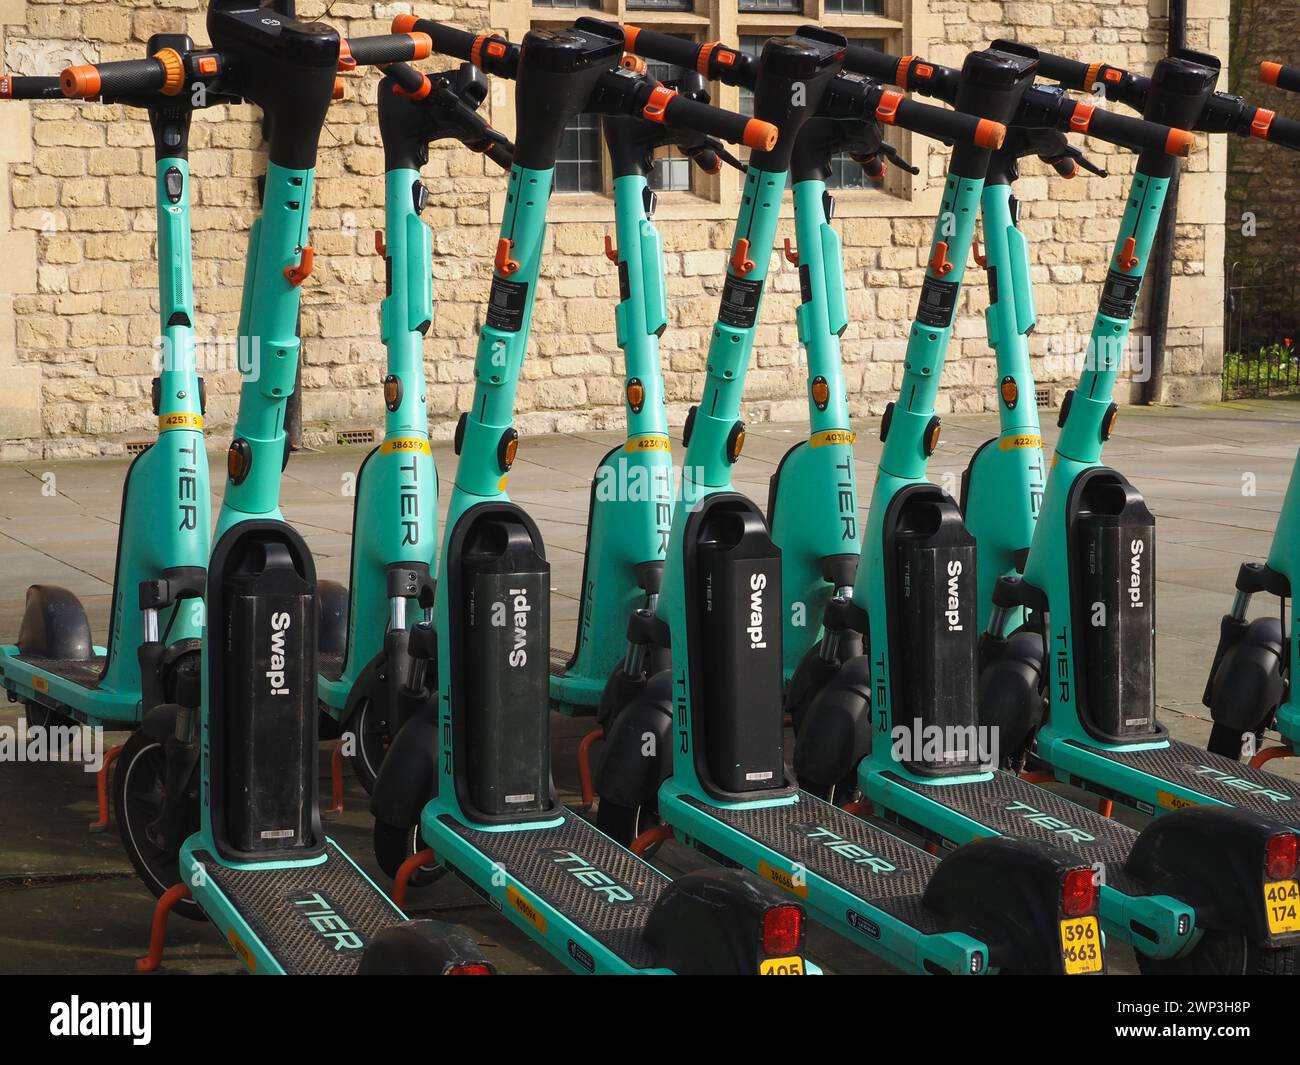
x=480 y=745
x=719 y=704
x=632 y=492
x=164 y=533
x=1249 y=687
x=365 y=626
x=257 y=864
x=932 y=764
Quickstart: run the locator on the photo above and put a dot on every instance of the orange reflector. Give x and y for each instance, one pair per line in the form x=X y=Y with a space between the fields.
x=1010 y=392
x=512 y=449
x=392 y=392
x=236 y=462
x=635 y=394
x=821 y=392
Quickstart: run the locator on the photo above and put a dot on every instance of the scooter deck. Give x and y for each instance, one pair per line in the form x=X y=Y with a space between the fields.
x=541 y=861
x=1220 y=779
x=1009 y=806
x=85 y=672
x=803 y=833
x=277 y=904
x=329 y=665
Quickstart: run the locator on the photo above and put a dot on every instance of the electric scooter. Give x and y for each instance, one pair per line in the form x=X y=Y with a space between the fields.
x=365 y=626
x=286 y=898
x=480 y=745
x=718 y=708
x=930 y=767
x=1249 y=687
x=164 y=532
x=631 y=501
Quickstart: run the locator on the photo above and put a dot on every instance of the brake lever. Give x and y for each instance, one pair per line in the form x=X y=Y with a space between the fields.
x=892 y=154
x=1076 y=156
x=719 y=149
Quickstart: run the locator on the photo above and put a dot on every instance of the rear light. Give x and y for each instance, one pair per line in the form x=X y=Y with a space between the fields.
x=1281 y=861
x=1078 y=892
x=782 y=930
x=469 y=969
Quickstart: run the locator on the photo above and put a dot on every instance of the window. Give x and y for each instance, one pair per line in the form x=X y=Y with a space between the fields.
x=578 y=162
x=771 y=5
x=660 y=5
x=854 y=7
x=593 y=4
x=673 y=172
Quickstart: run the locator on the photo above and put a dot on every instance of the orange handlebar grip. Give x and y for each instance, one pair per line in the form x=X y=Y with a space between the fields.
x=759 y=135
x=404 y=24
x=629 y=37
x=80 y=83
x=1180 y=142
x=990 y=134
x=1270 y=72
x=423 y=47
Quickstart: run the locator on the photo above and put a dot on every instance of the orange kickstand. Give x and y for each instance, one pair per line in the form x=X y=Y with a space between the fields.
x=101 y=788
x=336 y=780
x=1037 y=776
x=407 y=870
x=158 y=933
x=649 y=838
x=858 y=808
x=1105 y=807
x=584 y=766
x=1267 y=755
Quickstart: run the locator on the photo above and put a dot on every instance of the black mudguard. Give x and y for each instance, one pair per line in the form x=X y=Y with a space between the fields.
x=813 y=674
x=408 y=777
x=160 y=722
x=1010 y=693
x=835 y=733
x=1212 y=858
x=710 y=922
x=421 y=948
x=628 y=776
x=1006 y=892
x=1246 y=686
x=332 y=606
x=54 y=625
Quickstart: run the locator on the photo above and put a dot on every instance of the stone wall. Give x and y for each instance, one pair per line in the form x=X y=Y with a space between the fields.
x=78 y=303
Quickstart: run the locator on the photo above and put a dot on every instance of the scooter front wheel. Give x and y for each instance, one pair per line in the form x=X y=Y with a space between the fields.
x=370 y=734
x=139 y=795
x=1223 y=954
x=394 y=845
x=1228 y=742
x=623 y=824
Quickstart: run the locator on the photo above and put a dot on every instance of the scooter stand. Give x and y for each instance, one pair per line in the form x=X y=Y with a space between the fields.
x=158 y=932
x=101 y=789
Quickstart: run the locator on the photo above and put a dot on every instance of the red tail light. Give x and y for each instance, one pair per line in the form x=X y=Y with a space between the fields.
x=782 y=930
x=1281 y=860
x=469 y=969
x=1079 y=892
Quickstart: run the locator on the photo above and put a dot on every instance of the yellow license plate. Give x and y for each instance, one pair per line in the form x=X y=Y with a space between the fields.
x=781 y=967
x=1080 y=945
x=1282 y=900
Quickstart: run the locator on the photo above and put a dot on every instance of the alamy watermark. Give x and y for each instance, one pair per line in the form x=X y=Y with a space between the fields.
x=53 y=743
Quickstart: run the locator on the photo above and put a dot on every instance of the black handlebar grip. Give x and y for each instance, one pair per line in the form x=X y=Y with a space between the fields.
x=408 y=80
x=879 y=66
x=127 y=77
x=673 y=109
x=1133 y=133
x=1284 y=131
x=490 y=52
x=1283 y=77
x=664 y=47
x=1063 y=165
x=939 y=123
x=21 y=87
x=384 y=49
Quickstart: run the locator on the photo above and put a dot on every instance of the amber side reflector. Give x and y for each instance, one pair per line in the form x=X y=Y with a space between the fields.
x=392 y=392
x=239 y=460
x=1010 y=392
x=821 y=393
x=635 y=395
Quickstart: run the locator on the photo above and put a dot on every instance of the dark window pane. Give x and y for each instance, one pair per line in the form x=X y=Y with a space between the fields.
x=660 y=5
x=771 y=5
x=672 y=172
x=855 y=7
x=578 y=161
x=593 y=4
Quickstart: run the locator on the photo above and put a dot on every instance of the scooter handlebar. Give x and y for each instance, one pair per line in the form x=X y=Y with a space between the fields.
x=161 y=73
x=673 y=109
x=408 y=80
x=1283 y=77
x=1279 y=130
x=939 y=123
x=490 y=52
x=879 y=66
x=383 y=49
x=1134 y=133
x=23 y=87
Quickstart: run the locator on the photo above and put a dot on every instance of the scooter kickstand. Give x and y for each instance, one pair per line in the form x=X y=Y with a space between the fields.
x=101 y=788
x=158 y=932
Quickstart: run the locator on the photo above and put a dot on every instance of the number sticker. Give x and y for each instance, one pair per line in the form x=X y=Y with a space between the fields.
x=1081 y=945
x=781 y=967
x=1282 y=901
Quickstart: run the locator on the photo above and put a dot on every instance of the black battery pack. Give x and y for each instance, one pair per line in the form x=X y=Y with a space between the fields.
x=738 y=573
x=507 y=585
x=269 y=710
x=1115 y=538
x=938 y=639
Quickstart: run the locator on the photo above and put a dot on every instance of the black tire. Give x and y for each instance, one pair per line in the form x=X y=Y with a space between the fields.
x=394 y=845
x=1223 y=954
x=623 y=824
x=1226 y=742
x=840 y=794
x=43 y=717
x=139 y=778
x=370 y=739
